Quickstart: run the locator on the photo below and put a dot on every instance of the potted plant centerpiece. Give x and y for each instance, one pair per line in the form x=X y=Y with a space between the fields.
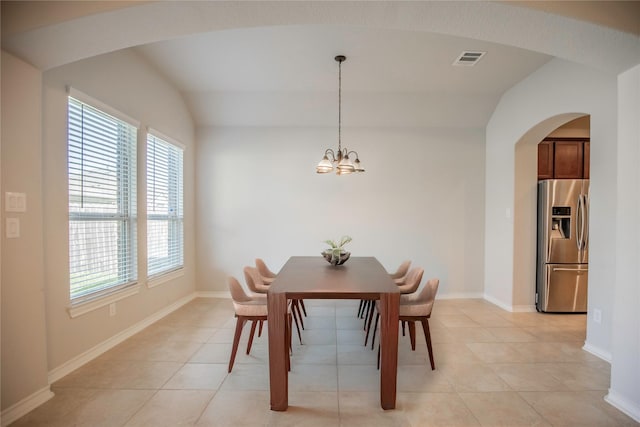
x=336 y=254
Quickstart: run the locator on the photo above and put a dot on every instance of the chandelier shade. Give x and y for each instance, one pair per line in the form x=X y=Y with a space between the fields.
x=339 y=160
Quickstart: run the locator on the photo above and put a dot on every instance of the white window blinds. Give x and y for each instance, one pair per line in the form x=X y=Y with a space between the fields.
x=165 y=235
x=102 y=201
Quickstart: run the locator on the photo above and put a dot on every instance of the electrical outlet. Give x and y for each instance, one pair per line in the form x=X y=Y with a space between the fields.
x=597 y=315
x=112 y=309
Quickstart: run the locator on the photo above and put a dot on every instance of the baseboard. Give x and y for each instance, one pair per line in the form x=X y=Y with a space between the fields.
x=627 y=406
x=497 y=302
x=461 y=295
x=598 y=352
x=523 y=308
x=213 y=294
x=508 y=307
x=26 y=405
x=80 y=360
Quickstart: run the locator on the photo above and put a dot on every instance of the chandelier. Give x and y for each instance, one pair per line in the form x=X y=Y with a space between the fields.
x=339 y=159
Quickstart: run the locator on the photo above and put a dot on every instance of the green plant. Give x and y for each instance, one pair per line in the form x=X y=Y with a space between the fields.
x=336 y=248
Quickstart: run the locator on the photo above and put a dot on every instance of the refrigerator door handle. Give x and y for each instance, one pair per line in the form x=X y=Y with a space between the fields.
x=579 y=270
x=579 y=224
x=585 y=221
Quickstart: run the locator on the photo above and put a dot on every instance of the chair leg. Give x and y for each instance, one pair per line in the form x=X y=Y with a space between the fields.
x=427 y=337
x=304 y=310
x=403 y=328
x=367 y=314
x=295 y=308
x=412 y=334
x=360 y=307
x=368 y=328
x=378 y=356
x=253 y=331
x=295 y=319
x=369 y=307
x=287 y=337
x=375 y=328
x=236 y=339
x=260 y=328
x=299 y=314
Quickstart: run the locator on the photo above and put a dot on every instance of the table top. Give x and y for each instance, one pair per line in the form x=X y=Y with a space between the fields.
x=314 y=277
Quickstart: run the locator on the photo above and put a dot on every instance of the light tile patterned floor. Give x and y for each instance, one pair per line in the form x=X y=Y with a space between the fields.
x=493 y=368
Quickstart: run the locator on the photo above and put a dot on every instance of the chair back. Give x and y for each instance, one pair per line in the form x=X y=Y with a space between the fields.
x=237 y=293
x=427 y=295
x=263 y=269
x=254 y=280
x=250 y=278
x=411 y=280
x=402 y=270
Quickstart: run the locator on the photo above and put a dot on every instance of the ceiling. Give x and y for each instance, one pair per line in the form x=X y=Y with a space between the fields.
x=253 y=64
x=287 y=76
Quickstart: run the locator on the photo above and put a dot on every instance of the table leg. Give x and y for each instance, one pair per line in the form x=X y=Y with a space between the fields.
x=278 y=348
x=389 y=311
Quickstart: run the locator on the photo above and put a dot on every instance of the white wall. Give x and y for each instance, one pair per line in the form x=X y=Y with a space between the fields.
x=625 y=372
x=127 y=83
x=421 y=198
x=556 y=93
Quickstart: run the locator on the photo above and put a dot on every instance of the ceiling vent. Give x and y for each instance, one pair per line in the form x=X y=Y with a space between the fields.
x=468 y=58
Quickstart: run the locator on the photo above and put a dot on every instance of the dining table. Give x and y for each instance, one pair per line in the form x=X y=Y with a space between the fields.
x=309 y=277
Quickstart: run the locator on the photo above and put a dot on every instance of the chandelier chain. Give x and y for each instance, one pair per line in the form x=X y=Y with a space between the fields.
x=339 y=106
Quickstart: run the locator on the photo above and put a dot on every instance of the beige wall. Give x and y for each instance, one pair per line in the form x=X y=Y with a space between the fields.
x=24 y=345
x=125 y=82
x=38 y=335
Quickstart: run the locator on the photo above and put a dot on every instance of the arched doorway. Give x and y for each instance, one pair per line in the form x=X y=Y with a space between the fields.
x=525 y=201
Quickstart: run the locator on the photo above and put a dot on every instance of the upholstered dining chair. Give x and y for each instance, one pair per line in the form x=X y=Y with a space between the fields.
x=416 y=307
x=269 y=276
x=401 y=271
x=364 y=310
x=248 y=308
x=410 y=283
x=254 y=282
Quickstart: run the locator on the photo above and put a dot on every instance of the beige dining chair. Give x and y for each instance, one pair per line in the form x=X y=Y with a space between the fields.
x=246 y=308
x=366 y=306
x=254 y=282
x=402 y=270
x=249 y=308
x=416 y=307
x=269 y=276
x=410 y=283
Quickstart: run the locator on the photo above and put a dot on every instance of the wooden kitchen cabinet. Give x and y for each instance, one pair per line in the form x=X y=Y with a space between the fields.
x=587 y=159
x=566 y=158
x=545 y=160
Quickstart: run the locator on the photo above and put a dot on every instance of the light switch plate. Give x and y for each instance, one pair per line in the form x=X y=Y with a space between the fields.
x=13 y=228
x=15 y=202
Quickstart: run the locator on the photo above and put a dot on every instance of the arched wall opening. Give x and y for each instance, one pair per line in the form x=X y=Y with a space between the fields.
x=525 y=208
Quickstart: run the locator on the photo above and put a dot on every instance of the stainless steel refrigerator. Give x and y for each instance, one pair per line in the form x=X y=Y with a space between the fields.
x=563 y=245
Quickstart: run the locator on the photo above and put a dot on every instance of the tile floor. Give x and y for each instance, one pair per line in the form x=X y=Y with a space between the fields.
x=493 y=368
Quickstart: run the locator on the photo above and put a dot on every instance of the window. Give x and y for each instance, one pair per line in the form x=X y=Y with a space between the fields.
x=165 y=245
x=102 y=201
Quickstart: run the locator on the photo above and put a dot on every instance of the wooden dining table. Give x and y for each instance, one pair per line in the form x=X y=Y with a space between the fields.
x=307 y=277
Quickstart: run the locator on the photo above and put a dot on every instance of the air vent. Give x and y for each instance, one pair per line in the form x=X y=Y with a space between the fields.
x=468 y=58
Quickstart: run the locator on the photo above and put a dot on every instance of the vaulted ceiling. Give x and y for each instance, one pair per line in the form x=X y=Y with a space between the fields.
x=271 y=63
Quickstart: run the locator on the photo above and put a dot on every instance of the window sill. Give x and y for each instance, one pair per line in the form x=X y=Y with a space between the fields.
x=161 y=278
x=84 y=307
